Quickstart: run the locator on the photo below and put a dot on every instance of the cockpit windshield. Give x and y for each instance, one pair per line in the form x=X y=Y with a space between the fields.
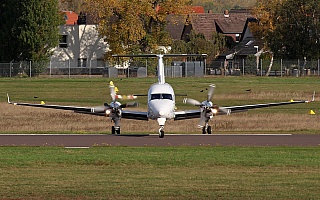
x=161 y=96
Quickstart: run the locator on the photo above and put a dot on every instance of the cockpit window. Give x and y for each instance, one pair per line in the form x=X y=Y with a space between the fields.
x=161 y=96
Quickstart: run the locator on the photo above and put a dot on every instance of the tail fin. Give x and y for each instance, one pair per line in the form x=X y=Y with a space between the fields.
x=161 y=78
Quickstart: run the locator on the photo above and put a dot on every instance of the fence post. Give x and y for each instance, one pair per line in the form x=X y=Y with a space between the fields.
x=242 y=67
x=50 y=69
x=281 y=67
x=30 y=68
x=260 y=67
x=90 y=68
x=146 y=67
x=10 y=70
x=318 y=66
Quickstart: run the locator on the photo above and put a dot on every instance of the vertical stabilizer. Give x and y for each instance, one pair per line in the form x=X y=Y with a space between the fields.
x=161 y=78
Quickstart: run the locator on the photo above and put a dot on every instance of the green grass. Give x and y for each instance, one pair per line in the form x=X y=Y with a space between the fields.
x=160 y=173
x=94 y=91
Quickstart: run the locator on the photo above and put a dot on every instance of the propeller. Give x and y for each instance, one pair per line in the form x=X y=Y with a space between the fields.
x=208 y=109
x=211 y=89
x=114 y=108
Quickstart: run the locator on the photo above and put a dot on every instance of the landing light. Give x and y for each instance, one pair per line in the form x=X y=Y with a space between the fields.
x=214 y=111
x=108 y=112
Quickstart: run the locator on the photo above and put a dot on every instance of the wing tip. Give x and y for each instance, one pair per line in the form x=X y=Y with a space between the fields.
x=8 y=98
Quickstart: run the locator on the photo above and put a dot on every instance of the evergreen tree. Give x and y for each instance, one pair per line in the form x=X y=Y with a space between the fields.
x=29 y=30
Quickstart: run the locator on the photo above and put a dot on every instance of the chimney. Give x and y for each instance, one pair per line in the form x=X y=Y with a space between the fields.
x=226 y=13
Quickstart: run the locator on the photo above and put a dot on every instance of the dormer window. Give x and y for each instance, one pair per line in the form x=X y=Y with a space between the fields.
x=237 y=37
x=63 y=43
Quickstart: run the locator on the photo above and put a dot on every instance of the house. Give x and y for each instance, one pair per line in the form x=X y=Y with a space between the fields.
x=80 y=44
x=233 y=24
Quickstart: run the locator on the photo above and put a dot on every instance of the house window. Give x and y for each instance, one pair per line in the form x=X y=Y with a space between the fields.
x=82 y=62
x=237 y=37
x=63 y=43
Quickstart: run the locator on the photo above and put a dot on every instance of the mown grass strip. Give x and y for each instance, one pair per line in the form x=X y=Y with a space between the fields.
x=160 y=173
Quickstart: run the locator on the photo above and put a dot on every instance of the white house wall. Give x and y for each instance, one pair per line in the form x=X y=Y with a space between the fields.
x=83 y=43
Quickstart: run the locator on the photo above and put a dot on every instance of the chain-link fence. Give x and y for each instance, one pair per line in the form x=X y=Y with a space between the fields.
x=261 y=67
x=238 y=67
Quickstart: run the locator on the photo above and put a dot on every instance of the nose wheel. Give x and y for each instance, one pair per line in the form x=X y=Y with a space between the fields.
x=161 y=132
x=115 y=130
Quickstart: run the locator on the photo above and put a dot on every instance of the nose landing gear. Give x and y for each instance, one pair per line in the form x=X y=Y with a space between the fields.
x=161 y=132
x=115 y=130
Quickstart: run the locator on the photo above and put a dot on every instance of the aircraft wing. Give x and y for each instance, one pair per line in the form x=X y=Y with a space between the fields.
x=128 y=114
x=233 y=109
x=189 y=114
x=85 y=110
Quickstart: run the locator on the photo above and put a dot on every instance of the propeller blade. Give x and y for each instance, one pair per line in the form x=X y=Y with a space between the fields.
x=226 y=111
x=211 y=92
x=112 y=92
x=202 y=121
x=130 y=104
x=99 y=109
x=191 y=101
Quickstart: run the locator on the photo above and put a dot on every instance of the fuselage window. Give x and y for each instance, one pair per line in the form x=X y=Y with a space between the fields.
x=161 y=96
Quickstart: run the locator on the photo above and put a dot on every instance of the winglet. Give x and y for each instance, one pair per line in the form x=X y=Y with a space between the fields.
x=314 y=94
x=313 y=97
x=8 y=98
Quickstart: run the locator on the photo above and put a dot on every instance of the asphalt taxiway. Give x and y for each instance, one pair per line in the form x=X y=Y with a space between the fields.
x=89 y=140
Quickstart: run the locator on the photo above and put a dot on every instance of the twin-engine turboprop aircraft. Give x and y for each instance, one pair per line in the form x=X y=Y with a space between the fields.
x=161 y=103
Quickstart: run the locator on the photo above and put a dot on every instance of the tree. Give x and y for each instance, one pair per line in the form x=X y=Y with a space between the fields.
x=289 y=28
x=72 y=5
x=29 y=30
x=135 y=26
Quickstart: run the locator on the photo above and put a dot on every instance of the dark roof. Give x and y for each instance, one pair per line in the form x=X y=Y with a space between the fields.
x=244 y=48
x=175 y=25
x=211 y=22
x=232 y=24
x=203 y=23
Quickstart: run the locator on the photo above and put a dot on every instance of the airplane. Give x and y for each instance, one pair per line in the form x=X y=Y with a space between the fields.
x=161 y=103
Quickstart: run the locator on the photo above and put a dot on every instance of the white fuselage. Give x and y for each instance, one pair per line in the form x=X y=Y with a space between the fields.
x=161 y=101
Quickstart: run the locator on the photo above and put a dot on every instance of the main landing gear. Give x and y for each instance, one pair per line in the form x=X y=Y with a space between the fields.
x=161 y=132
x=115 y=130
x=206 y=129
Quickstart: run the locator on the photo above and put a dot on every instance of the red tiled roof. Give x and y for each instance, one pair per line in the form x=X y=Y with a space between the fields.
x=70 y=17
x=197 y=9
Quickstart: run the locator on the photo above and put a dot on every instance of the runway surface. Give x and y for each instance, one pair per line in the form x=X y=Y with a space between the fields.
x=85 y=141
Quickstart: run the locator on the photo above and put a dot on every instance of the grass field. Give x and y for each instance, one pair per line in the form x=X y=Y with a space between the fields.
x=160 y=173
x=94 y=91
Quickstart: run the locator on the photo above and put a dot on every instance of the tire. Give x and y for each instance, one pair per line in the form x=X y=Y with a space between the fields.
x=118 y=131
x=161 y=134
x=209 y=130
x=113 y=130
x=204 y=130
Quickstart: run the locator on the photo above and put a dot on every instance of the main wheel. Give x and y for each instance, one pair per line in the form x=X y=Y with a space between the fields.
x=209 y=129
x=118 y=131
x=204 y=130
x=113 y=130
